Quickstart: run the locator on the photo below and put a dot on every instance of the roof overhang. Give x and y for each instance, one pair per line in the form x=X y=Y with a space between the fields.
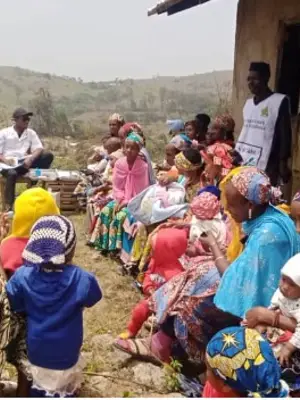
x=174 y=6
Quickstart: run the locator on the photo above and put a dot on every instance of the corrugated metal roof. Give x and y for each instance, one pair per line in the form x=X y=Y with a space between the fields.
x=174 y=6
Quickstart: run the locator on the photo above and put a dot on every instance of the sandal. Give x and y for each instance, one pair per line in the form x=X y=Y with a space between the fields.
x=151 y=324
x=138 y=349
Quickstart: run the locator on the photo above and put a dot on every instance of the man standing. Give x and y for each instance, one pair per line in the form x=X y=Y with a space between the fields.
x=266 y=137
x=21 y=144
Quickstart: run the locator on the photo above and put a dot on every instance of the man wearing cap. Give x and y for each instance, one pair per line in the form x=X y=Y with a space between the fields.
x=21 y=143
x=266 y=137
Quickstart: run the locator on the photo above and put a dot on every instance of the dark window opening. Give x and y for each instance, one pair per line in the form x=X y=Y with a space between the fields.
x=289 y=72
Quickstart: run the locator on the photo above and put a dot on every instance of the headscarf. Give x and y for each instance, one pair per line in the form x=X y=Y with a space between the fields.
x=181 y=142
x=219 y=154
x=254 y=185
x=182 y=163
x=168 y=245
x=135 y=137
x=245 y=361
x=292 y=270
x=206 y=218
x=129 y=127
x=211 y=189
x=117 y=117
x=176 y=125
x=31 y=205
x=52 y=239
x=226 y=122
x=205 y=206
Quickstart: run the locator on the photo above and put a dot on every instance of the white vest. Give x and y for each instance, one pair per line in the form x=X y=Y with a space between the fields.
x=255 y=141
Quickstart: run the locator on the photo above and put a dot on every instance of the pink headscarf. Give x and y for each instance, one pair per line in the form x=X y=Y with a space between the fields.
x=219 y=154
x=127 y=183
x=205 y=206
x=129 y=127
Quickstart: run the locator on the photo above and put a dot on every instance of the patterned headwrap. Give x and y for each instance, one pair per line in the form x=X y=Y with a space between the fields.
x=245 y=361
x=128 y=128
x=219 y=154
x=254 y=185
x=135 y=137
x=52 y=239
x=117 y=117
x=181 y=142
x=211 y=189
x=182 y=163
x=205 y=206
x=225 y=121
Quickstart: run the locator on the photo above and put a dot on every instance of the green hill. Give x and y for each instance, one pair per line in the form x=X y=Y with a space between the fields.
x=149 y=100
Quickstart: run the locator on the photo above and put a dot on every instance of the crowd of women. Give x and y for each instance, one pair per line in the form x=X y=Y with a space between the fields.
x=208 y=241
x=213 y=248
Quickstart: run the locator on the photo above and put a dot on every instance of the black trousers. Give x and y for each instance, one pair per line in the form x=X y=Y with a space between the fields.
x=43 y=162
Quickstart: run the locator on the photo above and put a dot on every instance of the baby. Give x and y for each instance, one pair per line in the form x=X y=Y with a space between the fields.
x=287 y=301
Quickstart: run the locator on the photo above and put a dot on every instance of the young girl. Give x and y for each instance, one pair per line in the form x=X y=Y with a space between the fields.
x=130 y=177
x=52 y=292
x=167 y=247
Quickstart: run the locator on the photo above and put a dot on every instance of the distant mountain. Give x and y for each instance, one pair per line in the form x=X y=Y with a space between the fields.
x=151 y=99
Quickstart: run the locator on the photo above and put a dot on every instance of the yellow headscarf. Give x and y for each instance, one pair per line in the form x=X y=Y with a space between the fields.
x=30 y=206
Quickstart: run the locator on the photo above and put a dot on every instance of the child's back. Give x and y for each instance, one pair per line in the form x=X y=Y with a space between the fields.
x=53 y=303
x=52 y=293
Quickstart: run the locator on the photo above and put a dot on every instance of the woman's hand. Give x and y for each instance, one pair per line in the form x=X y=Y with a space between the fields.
x=259 y=316
x=208 y=239
x=285 y=354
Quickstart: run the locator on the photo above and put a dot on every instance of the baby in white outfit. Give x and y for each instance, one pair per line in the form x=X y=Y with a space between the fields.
x=287 y=301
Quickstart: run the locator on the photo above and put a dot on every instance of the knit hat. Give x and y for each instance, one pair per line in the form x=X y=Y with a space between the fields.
x=52 y=239
x=292 y=270
x=30 y=206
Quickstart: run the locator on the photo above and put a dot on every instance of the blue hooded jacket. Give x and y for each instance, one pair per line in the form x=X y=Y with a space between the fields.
x=53 y=303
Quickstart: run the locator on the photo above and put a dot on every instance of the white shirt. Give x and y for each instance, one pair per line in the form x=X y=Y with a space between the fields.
x=289 y=308
x=11 y=145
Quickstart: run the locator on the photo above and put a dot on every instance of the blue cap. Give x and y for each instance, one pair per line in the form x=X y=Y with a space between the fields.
x=175 y=125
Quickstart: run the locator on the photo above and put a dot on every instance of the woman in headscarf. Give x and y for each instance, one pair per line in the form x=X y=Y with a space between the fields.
x=221 y=130
x=176 y=301
x=189 y=165
x=115 y=122
x=241 y=363
x=130 y=177
x=253 y=277
x=134 y=127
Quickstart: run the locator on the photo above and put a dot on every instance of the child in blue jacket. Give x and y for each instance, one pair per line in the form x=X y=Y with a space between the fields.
x=52 y=293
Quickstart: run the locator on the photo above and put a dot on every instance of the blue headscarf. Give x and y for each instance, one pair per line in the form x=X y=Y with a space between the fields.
x=245 y=361
x=211 y=189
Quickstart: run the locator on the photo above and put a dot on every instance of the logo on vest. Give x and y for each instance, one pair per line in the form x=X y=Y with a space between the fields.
x=264 y=112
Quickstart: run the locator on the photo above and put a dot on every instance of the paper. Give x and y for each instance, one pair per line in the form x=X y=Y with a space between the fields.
x=16 y=162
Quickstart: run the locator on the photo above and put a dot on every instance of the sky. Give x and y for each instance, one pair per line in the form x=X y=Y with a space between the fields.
x=107 y=39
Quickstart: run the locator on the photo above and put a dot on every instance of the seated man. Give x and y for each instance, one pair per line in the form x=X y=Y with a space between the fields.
x=21 y=144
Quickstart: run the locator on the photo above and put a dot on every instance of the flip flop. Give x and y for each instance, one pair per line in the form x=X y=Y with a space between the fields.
x=138 y=349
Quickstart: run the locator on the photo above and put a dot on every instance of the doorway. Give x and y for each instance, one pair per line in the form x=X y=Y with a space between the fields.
x=289 y=83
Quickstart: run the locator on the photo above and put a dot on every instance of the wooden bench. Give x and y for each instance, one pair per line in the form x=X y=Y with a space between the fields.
x=68 y=202
x=20 y=179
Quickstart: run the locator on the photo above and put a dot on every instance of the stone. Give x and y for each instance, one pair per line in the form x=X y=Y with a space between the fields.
x=103 y=342
x=149 y=375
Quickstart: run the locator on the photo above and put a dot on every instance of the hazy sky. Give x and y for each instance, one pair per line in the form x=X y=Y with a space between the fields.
x=105 y=39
